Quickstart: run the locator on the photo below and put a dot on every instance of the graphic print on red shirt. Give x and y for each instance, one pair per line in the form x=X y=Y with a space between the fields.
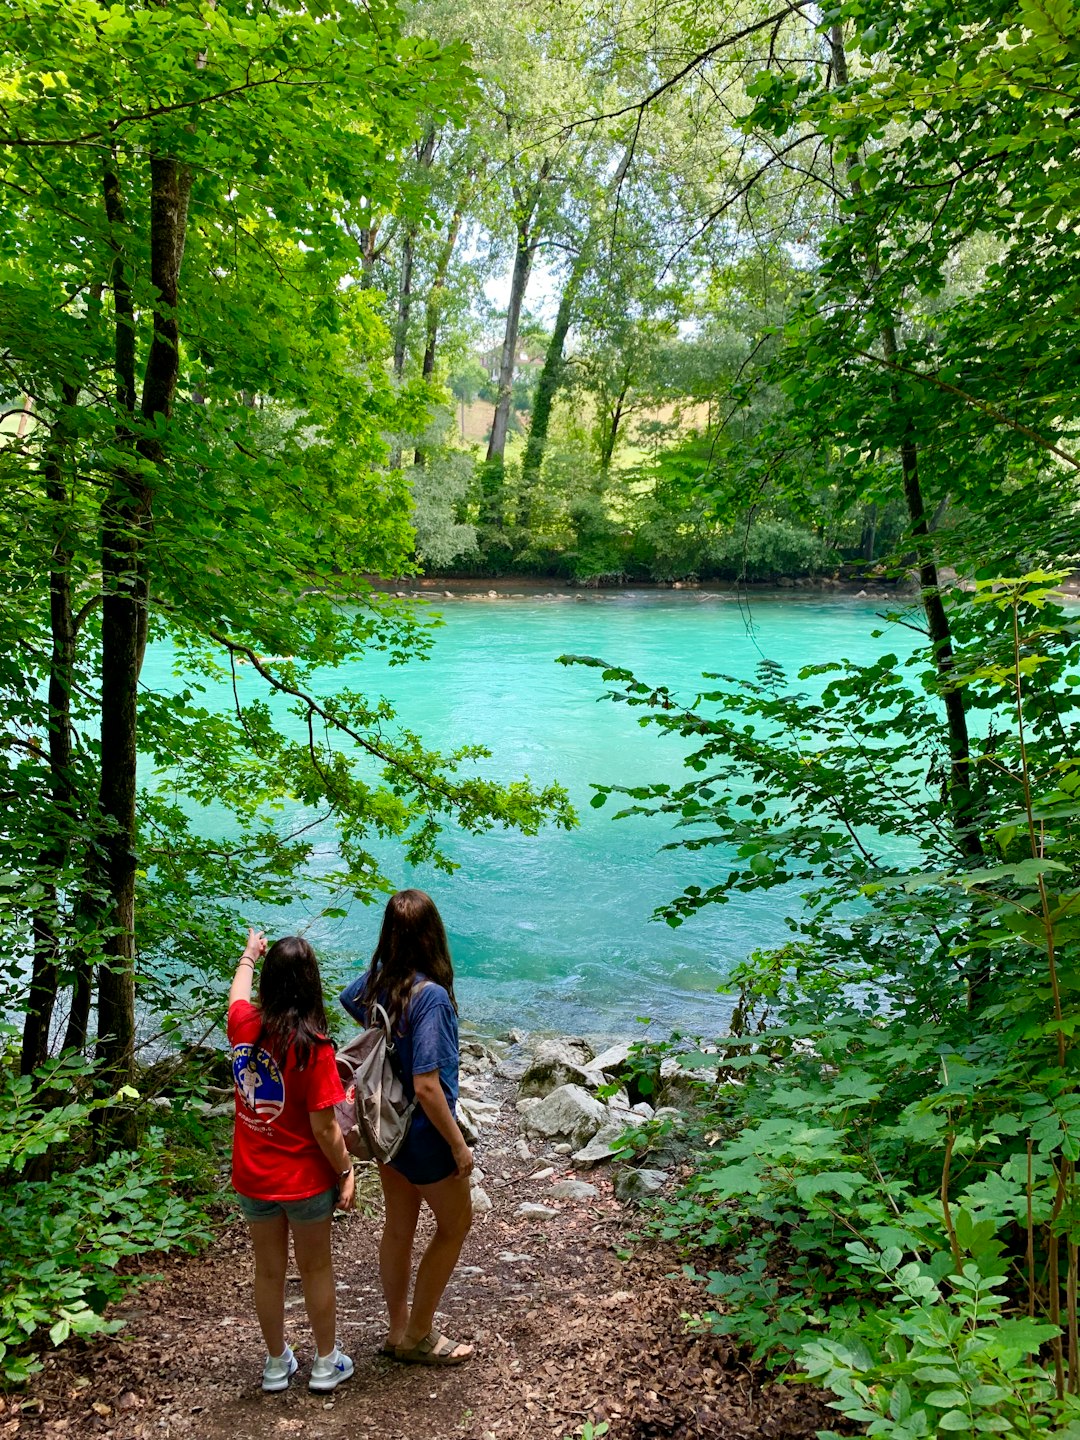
x=275 y=1154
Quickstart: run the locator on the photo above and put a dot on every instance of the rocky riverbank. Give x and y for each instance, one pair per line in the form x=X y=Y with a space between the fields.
x=574 y=1107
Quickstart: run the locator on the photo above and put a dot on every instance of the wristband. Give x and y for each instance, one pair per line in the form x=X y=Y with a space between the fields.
x=343 y=1173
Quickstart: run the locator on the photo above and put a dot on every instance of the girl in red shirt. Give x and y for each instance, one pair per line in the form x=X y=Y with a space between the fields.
x=290 y=1164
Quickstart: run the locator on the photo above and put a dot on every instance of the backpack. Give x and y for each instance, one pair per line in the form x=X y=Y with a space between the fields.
x=376 y=1112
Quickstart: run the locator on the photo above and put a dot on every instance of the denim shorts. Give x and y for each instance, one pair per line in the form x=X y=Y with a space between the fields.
x=308 y=1211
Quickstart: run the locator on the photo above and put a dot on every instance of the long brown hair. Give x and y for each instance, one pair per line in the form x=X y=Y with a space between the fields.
x=412 y=938
x=291 y=1001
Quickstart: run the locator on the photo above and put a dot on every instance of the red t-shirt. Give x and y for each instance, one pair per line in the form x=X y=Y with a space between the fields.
x=275 y=1153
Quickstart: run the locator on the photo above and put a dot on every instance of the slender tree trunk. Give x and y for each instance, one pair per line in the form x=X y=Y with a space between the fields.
x=611 y=432
x=547 y=387
x=368 y=255
x=126 y=519
x=868 y=539
x=500 y=425
x=962 y=800
x=433 y=308
x=46 y=961
x=401 y=329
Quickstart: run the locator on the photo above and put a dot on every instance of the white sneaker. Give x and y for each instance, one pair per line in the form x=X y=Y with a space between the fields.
x=328 y=1371
x=278 y=1370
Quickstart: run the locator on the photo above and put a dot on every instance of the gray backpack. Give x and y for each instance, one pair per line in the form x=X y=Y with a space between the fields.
x=376 y=1112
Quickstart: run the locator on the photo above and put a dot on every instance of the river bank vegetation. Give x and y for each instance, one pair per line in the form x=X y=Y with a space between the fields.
x=811 y=292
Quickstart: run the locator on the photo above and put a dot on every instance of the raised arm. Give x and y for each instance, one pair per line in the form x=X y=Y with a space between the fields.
x=240 y=989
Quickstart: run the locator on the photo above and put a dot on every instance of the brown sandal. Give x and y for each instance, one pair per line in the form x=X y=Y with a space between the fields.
x=433 y=1349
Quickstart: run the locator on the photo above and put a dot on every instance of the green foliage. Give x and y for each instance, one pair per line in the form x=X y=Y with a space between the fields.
x=885 y=1185
x=69 y=1240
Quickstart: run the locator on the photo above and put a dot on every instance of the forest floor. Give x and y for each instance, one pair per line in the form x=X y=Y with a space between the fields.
x=572 y=1322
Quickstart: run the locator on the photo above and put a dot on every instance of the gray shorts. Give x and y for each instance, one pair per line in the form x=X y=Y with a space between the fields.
x=308 y=1211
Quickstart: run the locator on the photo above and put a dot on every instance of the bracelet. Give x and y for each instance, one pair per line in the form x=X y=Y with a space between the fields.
x=250 y=960
x=343 y=1173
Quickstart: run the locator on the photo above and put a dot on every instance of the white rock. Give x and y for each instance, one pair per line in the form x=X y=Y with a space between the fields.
x=549 y=1072
x=567 y=1113
x=573 y=1190
x=570 y=1049
x=524 y=1106
x=532 y=1211
x=631 y=1184
x=601 y=1147
x=563 y=1148
x=613 y=1058
x=668 y=1112
x=620 y=1101
x=644 y=1109
x=481 y=1201
x=545 y=1174
x=509 y=1257
x=521 y=1149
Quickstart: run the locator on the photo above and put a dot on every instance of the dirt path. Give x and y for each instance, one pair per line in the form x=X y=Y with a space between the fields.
x=565 y=1330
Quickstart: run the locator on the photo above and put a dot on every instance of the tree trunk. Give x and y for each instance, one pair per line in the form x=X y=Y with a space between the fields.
x=519 y=281
x=611 y=432
x=433 y=308
x=547 y=387
x=868 y=539
x=962 y=800
x=401 y=329
x=126 y=519
x=46 y=960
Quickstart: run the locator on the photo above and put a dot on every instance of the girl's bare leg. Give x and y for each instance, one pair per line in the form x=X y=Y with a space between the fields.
x=311 y=1246
x=451 y=1204
x=402 y=1202
x=270 y=1241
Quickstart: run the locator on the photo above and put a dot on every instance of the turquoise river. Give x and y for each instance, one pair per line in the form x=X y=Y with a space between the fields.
x=555 y=932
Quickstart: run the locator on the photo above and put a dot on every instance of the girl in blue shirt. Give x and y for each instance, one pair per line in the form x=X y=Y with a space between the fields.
x=412 y=977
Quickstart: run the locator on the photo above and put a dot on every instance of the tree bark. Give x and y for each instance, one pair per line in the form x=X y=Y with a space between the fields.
x=526 y=208
x=126 y=520
x=433 y=308
x=401 y=329
x=46 y=959
x=962 y=800
x=500 y=424
x=547 y=387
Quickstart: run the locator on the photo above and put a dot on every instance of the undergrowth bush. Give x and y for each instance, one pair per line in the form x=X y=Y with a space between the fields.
x=885 y=1194
x=71 y=1229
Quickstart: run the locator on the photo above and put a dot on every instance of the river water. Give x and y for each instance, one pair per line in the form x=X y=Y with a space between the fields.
x=555 y=932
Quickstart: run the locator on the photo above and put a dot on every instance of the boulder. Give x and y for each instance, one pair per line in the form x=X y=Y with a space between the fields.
x=571 y=1049
x=569 y=1112
x=547 y=1074
x=601 y=1147
x=631 y=1184
x=573 y=1190
x=614 y=1064
x=612 y=1060
x=481 y=1201
x=531 y=1211
x=513 y=1067
x=678 y=1088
